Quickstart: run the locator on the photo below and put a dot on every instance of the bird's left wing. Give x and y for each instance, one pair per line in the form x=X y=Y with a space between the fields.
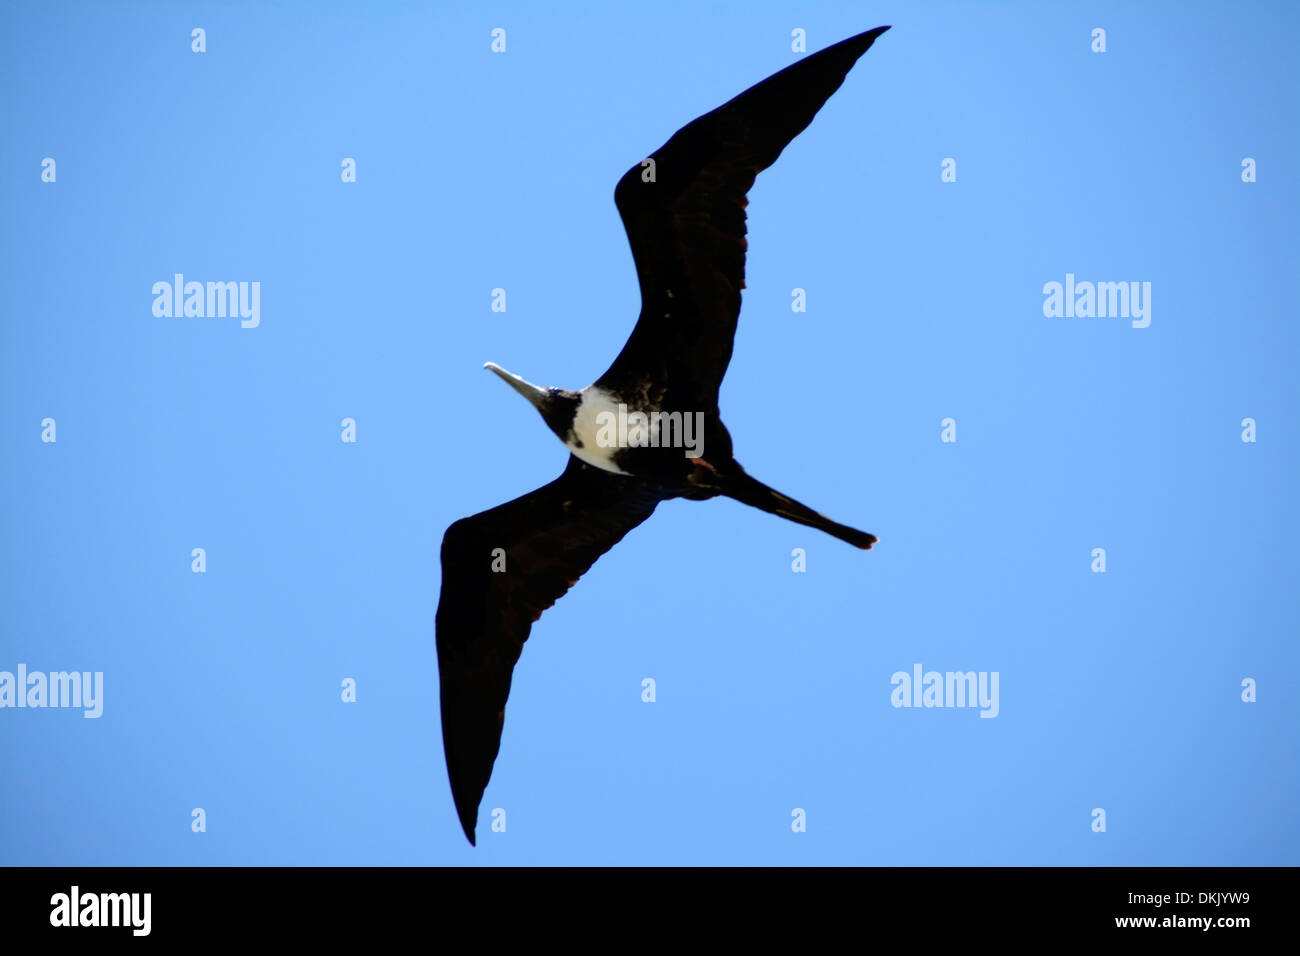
x=684 y=211
x=490 y=598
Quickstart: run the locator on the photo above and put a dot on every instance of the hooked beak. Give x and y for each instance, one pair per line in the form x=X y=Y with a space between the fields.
x=535 y=395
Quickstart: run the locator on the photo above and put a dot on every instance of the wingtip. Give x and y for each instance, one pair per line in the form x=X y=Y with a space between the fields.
x=859 y=43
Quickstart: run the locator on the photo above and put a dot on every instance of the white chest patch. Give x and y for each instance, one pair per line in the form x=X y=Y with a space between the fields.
x=587 y=427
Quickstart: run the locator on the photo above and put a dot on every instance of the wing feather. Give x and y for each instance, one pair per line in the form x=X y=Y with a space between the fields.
x=548 y=539
x=686 y=226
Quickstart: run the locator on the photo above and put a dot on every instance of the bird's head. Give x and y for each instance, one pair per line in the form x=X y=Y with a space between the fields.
x=557 y=406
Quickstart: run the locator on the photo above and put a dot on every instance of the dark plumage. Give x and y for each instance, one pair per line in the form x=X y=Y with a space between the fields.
x=686 y=226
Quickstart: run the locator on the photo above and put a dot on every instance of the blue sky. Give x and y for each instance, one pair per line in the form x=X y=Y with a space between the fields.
x=477 y=170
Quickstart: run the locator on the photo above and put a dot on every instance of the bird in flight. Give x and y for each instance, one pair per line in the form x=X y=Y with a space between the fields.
x=648 y=429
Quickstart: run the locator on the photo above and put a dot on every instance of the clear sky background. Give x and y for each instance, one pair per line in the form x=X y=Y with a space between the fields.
x=222 y=690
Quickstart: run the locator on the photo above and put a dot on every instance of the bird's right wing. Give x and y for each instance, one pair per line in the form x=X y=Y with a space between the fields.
x=490 y=598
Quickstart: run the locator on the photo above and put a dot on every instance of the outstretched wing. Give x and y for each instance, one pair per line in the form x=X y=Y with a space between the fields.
x=490 y=599
x=686 y=225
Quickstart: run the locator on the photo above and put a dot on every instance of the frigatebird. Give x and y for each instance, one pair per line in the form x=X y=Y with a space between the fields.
x=630 y=434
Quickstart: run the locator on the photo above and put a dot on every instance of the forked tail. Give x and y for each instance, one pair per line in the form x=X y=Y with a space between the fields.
x=751 y=491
